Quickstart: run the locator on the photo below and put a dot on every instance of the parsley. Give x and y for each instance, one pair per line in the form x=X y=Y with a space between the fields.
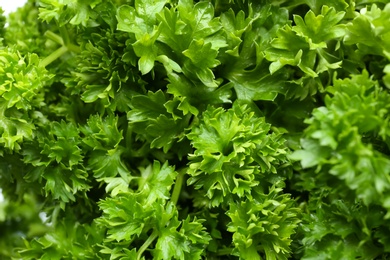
x=182 y=129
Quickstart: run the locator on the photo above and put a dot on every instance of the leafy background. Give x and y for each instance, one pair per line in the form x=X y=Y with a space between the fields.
x=214 y=129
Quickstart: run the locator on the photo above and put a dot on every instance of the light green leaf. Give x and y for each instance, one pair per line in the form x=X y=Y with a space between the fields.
x=156 y=181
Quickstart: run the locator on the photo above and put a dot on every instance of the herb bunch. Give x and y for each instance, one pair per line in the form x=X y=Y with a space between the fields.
x=182 y=129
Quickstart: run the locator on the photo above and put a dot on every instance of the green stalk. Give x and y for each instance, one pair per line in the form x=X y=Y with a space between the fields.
x=53 y=56
x=74 y=48
x=64 y=35
x=174 y=199
x=224 y=251
x=147 y=243
x=54 y=37
x=177 y=188
x=54 y=215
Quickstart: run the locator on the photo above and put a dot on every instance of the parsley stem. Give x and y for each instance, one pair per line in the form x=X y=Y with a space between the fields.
x=177 y=187
x=74 y=48
x=54 y=37
x=224 y=251
x=147 y=243
x=64 y=35
x=54 y=216
x=54 y=55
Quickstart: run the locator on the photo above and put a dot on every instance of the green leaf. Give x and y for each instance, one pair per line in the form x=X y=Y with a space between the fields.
x=369 y=33
x=13 y=131
x=312 y=153
x=172 y=244
x=70 y=239
x=156 y=181
x=62 y=145
x=338 y=5
x=262 y=222
x=148 y=9
x=165 y=132
x=95 y=92
x=300 y=45
x=322 y=28
x=344 y=144
x=21 y=90
x=117 y=185
x=147 y=51
x=203 y=59
x=141 y=18
x=201 y=54
x=193 y=96
x=107 y=163
x=56 y=185
x=258 y=84
x=235 y=26
x=146 y=107
x=149 y=112
x=101 y=133
x=226 y=143
x=199 y=19
x=125 y=217
x=127 y=20
x=173 y=30
x=186 y=243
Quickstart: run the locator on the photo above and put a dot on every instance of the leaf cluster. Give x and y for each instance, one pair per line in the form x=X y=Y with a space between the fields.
x=182 y=129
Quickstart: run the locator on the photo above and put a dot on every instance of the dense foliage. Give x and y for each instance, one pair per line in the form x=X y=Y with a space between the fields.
x=183 y=129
